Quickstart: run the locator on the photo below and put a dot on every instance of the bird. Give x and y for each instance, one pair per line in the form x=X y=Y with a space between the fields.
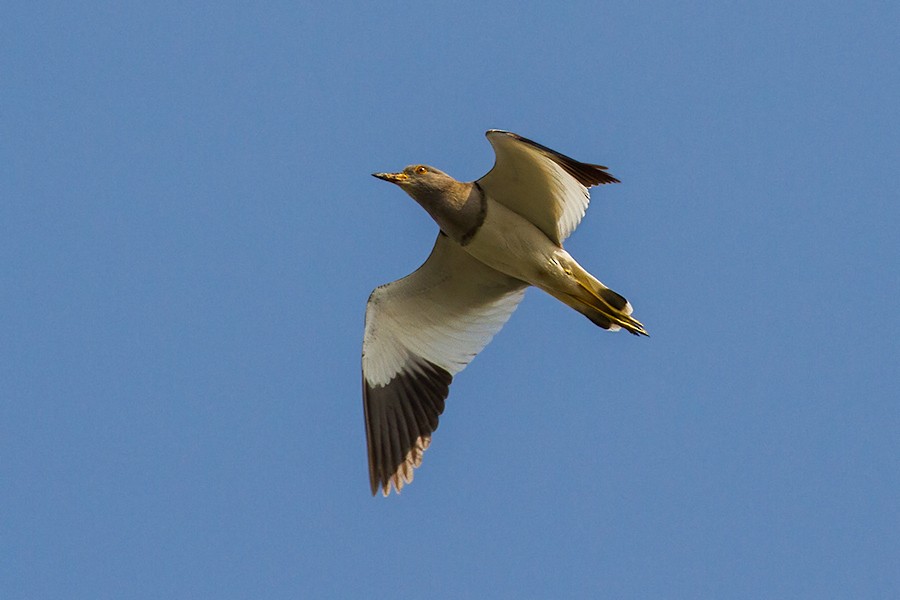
x=498 y=236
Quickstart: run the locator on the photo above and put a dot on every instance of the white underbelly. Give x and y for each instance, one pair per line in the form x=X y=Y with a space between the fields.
x=513 y=245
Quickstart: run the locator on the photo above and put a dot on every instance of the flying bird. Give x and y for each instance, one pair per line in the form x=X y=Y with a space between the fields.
x=498 y=236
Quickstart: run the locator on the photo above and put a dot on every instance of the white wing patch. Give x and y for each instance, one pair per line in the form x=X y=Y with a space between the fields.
x=445 y=313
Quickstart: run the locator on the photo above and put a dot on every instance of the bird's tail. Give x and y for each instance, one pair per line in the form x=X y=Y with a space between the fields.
x=601 y=305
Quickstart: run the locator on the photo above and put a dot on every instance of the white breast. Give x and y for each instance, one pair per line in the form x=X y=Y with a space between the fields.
x=512 y=245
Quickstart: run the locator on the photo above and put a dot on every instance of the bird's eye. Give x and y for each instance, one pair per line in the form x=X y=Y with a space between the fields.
x=420 y=170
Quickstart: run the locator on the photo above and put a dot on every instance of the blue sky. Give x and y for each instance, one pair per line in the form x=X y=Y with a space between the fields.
x=189 y=233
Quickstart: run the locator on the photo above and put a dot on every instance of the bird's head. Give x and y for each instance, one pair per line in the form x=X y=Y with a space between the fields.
x=421 y=181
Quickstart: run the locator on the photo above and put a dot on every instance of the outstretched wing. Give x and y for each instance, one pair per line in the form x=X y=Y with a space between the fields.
x=546 y=187
x=420 y=331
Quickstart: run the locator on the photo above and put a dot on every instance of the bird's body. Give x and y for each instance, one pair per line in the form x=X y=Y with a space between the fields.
x=499 y=235
x=512 y=245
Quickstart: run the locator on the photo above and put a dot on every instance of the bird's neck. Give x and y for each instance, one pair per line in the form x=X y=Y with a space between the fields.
x=459 y=211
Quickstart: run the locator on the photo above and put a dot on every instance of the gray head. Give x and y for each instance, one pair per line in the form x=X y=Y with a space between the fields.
x=457 y=207
x=421 y=181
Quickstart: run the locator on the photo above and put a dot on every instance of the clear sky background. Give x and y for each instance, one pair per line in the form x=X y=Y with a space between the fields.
x=189 y=233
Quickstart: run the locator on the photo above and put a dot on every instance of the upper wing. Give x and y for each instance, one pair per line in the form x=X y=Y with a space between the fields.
x=420 y=331
x=546 y=187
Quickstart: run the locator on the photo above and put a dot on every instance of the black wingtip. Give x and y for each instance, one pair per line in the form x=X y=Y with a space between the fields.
x=587 y=174
x=399 y=415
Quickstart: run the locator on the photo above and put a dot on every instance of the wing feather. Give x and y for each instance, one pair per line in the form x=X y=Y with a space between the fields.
x=546 y=187
x=420 y=331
